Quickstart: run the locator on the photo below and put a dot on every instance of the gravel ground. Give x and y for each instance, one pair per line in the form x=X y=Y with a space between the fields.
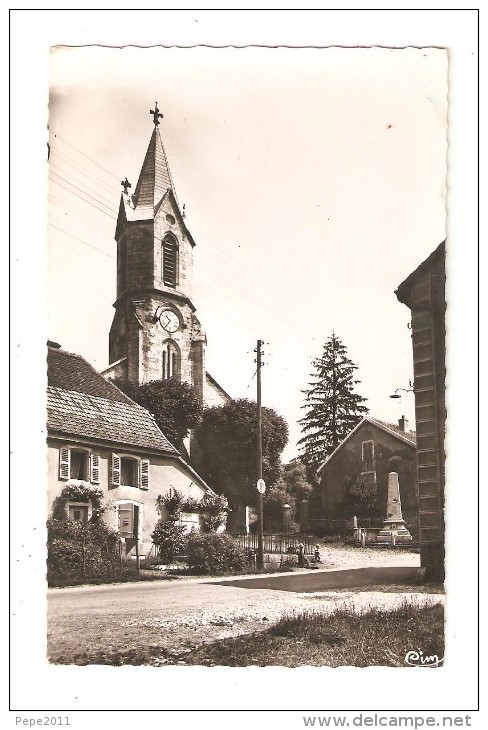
x=197 y=626
x=174 y=617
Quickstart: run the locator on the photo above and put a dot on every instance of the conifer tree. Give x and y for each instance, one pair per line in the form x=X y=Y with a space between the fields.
x=332 y=406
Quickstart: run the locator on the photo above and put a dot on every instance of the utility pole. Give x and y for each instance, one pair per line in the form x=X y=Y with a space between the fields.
x=260 y=482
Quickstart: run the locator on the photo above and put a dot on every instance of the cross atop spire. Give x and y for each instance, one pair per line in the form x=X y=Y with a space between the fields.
x=156 y=114
x=125 y=184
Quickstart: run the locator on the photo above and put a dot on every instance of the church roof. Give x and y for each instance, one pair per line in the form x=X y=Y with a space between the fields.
x=82 y=403
x=155 y=177
x=218 y=387
x=153 y=186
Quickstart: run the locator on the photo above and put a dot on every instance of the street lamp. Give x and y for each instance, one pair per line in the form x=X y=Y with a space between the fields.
x=405 y=390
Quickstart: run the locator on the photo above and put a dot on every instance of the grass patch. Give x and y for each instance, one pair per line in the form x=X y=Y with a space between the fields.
x=412 y=587
x=375 y=638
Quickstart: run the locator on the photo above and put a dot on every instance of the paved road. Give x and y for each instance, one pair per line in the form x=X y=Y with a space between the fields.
x=174 y=614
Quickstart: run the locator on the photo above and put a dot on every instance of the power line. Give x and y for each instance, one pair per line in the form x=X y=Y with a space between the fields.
x=62 y=168
x=56 y=153
x=81 y=190
x=99 y=198
x=84 y=199
x=285 y=296
x=66 y=233
x=249 y=384
x=58 y=136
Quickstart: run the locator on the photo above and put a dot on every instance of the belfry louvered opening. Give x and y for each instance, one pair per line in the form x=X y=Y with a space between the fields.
x=170 y=261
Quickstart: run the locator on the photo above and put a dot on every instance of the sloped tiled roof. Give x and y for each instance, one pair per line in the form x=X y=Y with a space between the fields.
x=408 y=437
x=82 y=403
x=72 y=372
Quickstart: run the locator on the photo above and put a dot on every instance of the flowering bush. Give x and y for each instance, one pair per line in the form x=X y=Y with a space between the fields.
x=79 y=493
x=170 y=539
x=173 y=504
x=214 y=511
x=214 y=553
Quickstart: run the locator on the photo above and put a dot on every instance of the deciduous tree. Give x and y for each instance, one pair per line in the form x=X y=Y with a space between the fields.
x=174 y=405
x=227 y=438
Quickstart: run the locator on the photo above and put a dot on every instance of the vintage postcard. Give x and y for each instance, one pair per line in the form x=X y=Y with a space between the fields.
x=248 y=268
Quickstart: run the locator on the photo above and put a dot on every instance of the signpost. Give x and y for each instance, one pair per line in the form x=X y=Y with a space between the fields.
x=261 y=486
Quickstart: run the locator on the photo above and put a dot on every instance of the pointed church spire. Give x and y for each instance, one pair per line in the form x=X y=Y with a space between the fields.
x=155 y=177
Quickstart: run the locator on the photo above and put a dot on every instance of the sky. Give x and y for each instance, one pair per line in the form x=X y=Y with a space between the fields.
x=314 y=182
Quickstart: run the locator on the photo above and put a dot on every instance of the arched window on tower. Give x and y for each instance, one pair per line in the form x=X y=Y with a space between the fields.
x=169 y=260
x=171 y=361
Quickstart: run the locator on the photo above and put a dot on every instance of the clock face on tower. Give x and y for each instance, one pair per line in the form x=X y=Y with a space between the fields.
x=169 y=320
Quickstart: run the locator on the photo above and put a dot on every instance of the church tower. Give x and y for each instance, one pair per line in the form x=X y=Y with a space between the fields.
x=155 y=333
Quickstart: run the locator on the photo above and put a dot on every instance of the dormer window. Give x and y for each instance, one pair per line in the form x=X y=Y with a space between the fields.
x=169 y=263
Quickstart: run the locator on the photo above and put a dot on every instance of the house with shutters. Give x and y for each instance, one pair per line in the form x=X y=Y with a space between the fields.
x=99 y=439
x=370 y=452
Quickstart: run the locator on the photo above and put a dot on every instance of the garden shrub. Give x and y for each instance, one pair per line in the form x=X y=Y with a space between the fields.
x=78 y=553
x=214 y=553
x=213 y=509
x=170 y=539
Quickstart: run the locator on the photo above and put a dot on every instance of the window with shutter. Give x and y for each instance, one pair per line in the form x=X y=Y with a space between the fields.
x=129 y=476
x=115 y=476
x=170 y=261
x=144 y=474
x=78 y=469
x=64 y=463
x=95 y=468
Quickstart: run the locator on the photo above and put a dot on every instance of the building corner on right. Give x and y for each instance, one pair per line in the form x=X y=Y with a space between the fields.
x=423 y=292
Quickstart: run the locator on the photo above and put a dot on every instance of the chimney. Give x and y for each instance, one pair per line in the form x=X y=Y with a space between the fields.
x=403 y=424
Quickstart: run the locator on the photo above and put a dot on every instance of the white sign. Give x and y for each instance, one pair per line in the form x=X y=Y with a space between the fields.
x=261 y=486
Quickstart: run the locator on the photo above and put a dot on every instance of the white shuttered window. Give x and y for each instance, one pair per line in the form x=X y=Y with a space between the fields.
x=115 y=471
x=129 y=471
x=79 y=464
x=64 y=462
